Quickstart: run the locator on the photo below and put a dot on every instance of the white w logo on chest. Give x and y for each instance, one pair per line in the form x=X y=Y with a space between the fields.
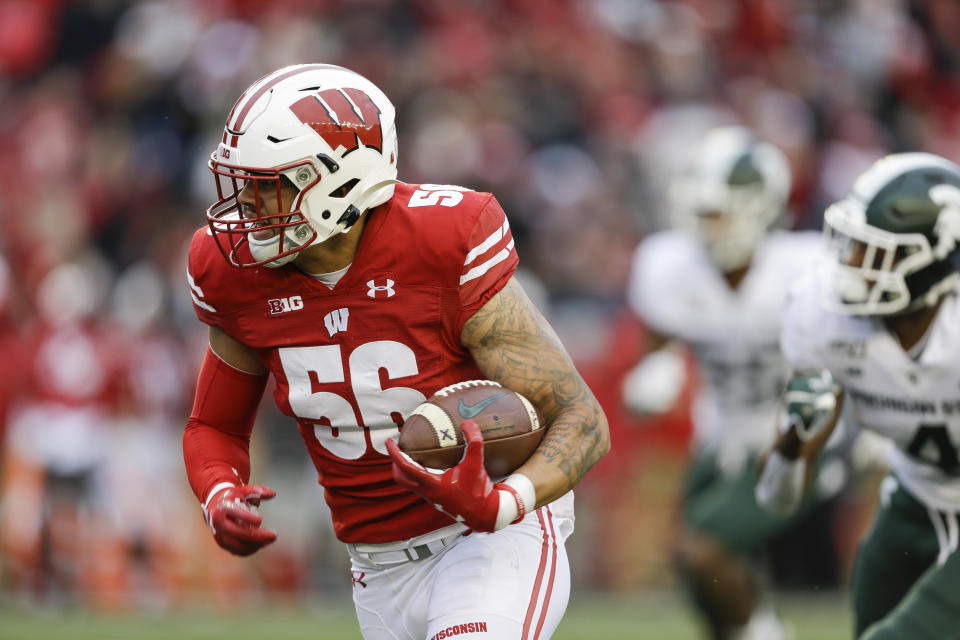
x=336 y=321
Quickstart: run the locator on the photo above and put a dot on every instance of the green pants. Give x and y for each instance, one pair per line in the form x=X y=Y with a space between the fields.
x=725 y=508
x=899 y=589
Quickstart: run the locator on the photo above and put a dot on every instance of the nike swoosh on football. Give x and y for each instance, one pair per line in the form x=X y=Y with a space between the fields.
x=469 y=411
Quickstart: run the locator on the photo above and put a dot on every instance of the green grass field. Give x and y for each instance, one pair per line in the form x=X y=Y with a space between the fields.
x=644 y=616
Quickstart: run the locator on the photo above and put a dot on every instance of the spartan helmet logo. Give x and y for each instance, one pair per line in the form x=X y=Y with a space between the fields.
x=947 y=226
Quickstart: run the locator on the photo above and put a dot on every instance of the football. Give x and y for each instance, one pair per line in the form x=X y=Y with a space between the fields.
x=511 y=427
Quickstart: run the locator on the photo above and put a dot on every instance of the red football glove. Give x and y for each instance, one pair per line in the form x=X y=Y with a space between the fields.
x=464 y=492
x=235 y=524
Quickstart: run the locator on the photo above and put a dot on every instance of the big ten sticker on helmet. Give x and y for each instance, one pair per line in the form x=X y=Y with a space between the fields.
x=343 y=117
x=284 y=305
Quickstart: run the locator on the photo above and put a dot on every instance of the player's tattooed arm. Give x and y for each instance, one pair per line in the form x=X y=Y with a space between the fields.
x=514 y=344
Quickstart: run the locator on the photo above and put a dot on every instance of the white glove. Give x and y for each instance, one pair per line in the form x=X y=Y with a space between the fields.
x=654 y=385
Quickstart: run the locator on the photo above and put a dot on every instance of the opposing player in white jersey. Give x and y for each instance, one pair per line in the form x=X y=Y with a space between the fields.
x=884 y=320
x=715 y=285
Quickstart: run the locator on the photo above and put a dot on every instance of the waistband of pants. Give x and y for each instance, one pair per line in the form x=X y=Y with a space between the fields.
x=418 y=548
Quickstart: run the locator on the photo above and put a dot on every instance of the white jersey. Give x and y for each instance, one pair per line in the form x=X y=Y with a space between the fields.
x=734 y=334
x=914 y=402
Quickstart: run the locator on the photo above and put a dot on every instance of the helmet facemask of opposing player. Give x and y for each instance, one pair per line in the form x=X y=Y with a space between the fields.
x=894 y=237
x=325 y=130
x=729 y=195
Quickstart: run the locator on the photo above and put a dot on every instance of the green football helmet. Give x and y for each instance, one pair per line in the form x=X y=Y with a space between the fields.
x=894 y=236
x=735 y=187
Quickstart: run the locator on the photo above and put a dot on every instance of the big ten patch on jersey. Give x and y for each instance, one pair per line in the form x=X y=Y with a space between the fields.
x=284 y=305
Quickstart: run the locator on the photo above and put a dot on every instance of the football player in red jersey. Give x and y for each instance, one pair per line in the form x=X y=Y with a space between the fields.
x=362 y=296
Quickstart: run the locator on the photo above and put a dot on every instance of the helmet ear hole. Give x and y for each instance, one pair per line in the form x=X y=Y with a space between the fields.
x=344 y=189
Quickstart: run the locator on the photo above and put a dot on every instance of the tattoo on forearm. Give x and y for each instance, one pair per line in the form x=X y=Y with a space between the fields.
x=513 y=344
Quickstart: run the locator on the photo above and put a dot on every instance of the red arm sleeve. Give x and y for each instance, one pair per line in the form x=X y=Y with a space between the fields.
x=216 y=440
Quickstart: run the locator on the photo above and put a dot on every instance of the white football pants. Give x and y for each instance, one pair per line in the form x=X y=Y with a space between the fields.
x=510 y=585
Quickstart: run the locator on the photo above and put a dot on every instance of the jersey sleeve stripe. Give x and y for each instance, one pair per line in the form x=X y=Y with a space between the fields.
x=196 y=293
x=193 y=284
x=200 y=303
x=482 y=268
x=484 y=246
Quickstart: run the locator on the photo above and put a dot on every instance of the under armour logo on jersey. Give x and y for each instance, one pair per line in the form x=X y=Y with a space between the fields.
x=336 y=321
x=375 y=289
x=283 y=305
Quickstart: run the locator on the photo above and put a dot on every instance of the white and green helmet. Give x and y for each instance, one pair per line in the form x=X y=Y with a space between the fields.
x=736 y=175
x=894 y=236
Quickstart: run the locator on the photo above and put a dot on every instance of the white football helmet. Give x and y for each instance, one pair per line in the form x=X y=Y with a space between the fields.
x=327 y=129
x=735 y=187
x=895 y=237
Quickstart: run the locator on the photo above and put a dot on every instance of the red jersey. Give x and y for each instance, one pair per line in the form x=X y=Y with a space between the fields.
x=352 y=362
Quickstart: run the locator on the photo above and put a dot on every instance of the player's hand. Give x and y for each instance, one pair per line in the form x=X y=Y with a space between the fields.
x=233 y=518
x=809 y=405
x=655 y=384
x=464 y=492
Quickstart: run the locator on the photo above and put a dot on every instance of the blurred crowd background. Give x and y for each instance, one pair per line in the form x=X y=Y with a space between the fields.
x=574 y=113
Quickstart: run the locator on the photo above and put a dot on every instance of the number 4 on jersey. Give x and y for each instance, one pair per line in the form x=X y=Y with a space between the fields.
x=932 y=444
